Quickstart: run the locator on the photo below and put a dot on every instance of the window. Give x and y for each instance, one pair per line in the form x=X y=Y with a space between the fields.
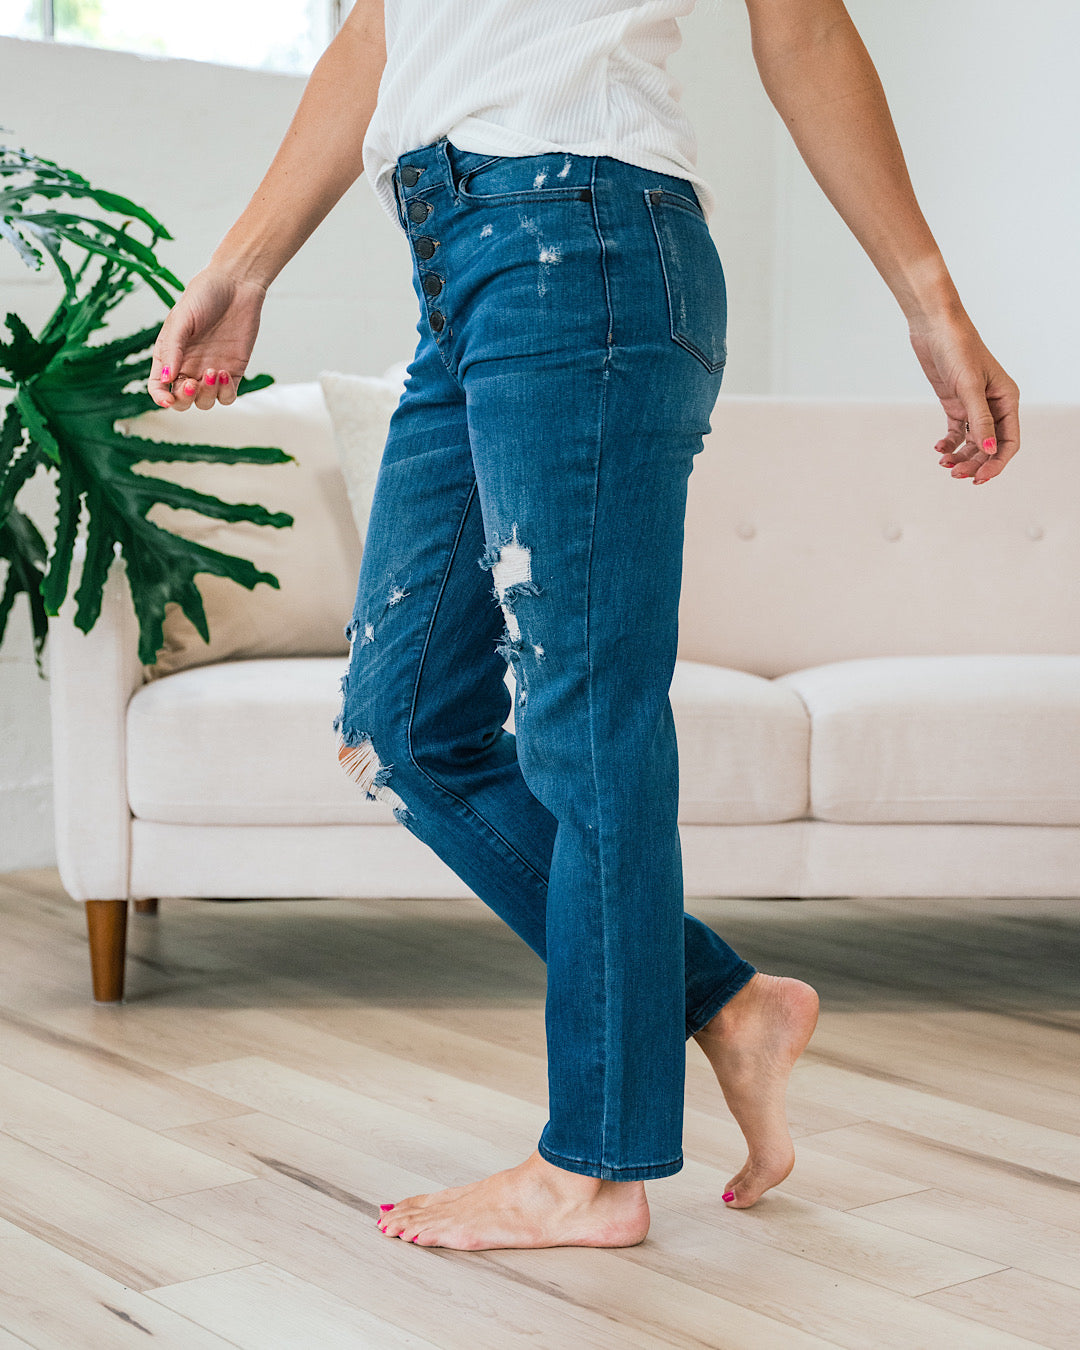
x=285 y=35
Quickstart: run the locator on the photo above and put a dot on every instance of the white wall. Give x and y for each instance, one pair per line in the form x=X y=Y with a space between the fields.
x=987 y=107
x=985 y=110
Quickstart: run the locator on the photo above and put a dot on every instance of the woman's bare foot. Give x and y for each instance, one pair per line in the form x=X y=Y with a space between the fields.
x=752 y=1044
x=535 y=1204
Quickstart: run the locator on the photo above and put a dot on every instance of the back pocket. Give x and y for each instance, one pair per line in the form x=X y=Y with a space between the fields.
x=693 y=276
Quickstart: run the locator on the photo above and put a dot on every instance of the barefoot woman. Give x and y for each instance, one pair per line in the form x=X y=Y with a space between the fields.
x=529 y=510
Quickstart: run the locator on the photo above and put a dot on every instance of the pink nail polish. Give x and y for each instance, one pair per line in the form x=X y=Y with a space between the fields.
x=223 y=378
x=989 y=444
x=164 y=373
x=386 y=1207
x=189 y=388
x=729 y=1195
x=414 y=1239
x=210 y=379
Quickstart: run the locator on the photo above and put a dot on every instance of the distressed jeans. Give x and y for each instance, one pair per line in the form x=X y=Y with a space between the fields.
x=529 y=510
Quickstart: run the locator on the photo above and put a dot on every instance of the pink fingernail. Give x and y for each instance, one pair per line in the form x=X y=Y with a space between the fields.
x=164 y=372
x=729 y=1195
x=189 y=388
x=209 y=378
x=385 y=1207
x=223 y=378
x=414 y=1239
x=989 y=444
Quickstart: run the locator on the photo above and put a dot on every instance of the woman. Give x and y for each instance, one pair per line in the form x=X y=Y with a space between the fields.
x=572 y=345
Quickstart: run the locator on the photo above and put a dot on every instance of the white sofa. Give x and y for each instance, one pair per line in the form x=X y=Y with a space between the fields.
x=878 y=693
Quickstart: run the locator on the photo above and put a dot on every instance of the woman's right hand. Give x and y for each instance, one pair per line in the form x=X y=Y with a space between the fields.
x=205 y=343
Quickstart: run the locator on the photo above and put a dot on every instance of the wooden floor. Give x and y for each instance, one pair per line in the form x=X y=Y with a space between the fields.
x=204 y=1163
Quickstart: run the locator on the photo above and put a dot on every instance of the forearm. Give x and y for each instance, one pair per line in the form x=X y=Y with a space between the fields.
x=319 y=157
x=822 y=82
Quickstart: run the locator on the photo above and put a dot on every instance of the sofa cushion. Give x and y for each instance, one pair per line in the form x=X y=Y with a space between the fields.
x=944 y=738
x=744 y=746
x=316 y=559
x=250 y=742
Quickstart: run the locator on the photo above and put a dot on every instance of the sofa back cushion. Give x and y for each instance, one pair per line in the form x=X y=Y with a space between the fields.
x=822 y=531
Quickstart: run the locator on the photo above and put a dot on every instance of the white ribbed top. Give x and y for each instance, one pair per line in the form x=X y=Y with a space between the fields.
x=530 y=77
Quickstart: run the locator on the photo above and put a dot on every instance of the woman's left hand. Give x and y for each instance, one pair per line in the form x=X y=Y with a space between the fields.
x=980 y=400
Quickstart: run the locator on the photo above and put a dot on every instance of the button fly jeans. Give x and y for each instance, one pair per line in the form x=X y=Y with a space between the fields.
x=529 y=510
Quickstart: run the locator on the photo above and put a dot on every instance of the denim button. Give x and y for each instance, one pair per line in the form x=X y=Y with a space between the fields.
x=433 y=284
x=410 y=175
x=425 y=247
x=655 y=196
x=419 y=211
x=436 y=320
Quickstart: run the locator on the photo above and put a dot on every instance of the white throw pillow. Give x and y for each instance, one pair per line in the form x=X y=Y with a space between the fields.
x=360 y=408
x=316 y=559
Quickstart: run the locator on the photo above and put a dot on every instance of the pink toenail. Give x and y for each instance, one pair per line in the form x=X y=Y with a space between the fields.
x=729 y=1195
x=384 y=1207
x=414 y=1239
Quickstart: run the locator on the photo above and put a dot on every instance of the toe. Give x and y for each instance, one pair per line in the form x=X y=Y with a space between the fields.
x=393 y=1223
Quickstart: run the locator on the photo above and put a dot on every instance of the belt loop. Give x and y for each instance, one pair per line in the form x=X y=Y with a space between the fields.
x=444 y=150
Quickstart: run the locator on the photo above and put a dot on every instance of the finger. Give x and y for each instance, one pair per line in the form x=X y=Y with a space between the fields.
x=226 y=387
x=953 y=438
x=969 y=464
x=993 y=466
x=982 y=433
x=961 y=454
x=207 y=395
x=164 y=366
x=184 y=392
x=1008 y=429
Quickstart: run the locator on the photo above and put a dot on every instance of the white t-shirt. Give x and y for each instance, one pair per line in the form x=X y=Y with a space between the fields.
x=531 y=77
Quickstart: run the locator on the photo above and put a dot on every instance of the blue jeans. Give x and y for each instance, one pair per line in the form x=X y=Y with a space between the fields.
x=529 y=510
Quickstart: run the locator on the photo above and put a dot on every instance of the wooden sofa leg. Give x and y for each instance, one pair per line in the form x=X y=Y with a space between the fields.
x=146 y=906
x=106 y=924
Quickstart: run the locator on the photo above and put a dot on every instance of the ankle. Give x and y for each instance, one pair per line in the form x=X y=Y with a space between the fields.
x=578 y=1186
x=730 y=1013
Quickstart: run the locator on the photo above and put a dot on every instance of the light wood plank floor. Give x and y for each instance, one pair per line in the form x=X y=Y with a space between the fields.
x=204 y=1163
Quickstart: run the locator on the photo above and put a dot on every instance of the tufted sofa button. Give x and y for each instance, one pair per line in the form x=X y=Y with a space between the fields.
x=745 y=530
x=1034 y=531
x=892 y=533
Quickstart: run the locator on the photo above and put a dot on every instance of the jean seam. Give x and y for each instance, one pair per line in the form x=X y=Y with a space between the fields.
x=605 y=982
x=412 y=706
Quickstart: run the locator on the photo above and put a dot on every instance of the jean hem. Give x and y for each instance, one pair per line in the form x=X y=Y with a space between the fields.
x=708 y=1010
x=649 y=1172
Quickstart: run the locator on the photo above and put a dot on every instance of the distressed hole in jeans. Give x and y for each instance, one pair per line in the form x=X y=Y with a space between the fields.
x=361 y=762
x=510 y=563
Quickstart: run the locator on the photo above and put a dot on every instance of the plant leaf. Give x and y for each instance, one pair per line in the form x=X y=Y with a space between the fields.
x=69 y=395
x=24 y=549
x=18 y=459
x=76 y=400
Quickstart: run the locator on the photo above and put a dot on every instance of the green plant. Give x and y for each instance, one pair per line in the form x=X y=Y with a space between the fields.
x=68 y=394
